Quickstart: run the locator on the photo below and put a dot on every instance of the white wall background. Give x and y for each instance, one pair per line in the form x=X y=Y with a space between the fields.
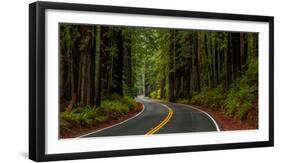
x=14 y=79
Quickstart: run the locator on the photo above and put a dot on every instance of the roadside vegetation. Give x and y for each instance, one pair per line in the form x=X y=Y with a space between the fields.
x=110 y=109
x=236 y=101
x=215 y=70
x=103 y=68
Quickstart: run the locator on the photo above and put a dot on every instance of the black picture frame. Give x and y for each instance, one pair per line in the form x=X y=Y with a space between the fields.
x=37 y=80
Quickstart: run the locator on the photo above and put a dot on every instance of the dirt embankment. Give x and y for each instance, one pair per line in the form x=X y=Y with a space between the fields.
x=231 y=123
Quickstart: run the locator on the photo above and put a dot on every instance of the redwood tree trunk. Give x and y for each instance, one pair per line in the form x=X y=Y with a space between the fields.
x=85 y=66
x=97 y=98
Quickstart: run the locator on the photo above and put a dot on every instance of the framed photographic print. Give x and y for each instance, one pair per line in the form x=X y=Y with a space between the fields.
x=117 y=81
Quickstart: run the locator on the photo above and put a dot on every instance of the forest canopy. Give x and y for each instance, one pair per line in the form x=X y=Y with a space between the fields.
x=208 y=68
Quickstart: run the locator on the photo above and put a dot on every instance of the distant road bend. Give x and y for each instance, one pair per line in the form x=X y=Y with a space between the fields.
x=158 y=118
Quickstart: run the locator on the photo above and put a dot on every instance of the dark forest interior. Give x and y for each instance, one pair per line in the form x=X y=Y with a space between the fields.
x=103 y=68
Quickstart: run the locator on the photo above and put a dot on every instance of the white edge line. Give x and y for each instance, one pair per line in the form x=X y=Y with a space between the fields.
x=214 y=121
x=143 y=107
x=217 y=126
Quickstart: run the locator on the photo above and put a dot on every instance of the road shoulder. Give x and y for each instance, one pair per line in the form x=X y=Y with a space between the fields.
x=82 y=131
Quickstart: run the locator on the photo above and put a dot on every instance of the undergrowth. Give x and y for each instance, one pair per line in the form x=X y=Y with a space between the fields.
x=87 y=116
x=235 y=101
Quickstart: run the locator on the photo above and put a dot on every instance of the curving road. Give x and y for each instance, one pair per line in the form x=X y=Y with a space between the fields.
x=157 y=118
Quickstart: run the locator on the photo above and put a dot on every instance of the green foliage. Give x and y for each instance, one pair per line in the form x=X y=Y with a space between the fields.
x=116 y=105
x=121 y=106
x=88 y=116
x=129 y=101
x=102 y=118
x=213 y=98
x=115 y=96
x=240 y=98
x=243 y=92
x=65 y=125
x=70 y=117
x=83 y=116
x=183 y=101
x=205 y=68
x=155 y=94
x=130 y=91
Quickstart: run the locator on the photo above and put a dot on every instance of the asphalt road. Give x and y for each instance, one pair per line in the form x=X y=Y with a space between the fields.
x=157 y=118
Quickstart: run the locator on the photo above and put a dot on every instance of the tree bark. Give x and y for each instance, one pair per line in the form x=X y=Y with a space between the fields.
x=127 y=63
x=172 y=67
x=85 y=65
x=117 y=75
x=97 y=99
x=197 y=55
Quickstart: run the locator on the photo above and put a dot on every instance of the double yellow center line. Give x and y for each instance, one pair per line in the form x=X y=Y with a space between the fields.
x=161 y=124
